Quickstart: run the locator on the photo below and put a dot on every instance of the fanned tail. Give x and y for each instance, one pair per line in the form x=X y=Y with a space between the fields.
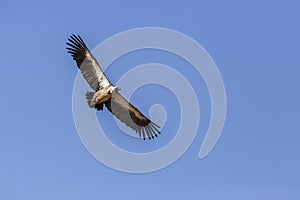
x=90 y=99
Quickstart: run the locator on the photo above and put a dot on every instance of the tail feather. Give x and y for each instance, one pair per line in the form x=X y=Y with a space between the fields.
x=90 y=99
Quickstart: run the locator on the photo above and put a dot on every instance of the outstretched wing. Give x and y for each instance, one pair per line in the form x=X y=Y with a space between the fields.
x=131 y=116
x=86 y=62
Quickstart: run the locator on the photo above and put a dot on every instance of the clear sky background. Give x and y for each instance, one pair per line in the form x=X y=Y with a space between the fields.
x=255 y=45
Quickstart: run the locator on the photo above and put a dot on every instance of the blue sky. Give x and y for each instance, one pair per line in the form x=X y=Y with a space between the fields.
x=255 y=45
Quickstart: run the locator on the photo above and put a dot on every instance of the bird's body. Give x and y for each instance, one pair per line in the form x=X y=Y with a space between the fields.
x=100 y=96
x=105 y=93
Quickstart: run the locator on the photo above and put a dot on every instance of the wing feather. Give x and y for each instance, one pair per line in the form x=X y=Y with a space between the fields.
x=131 y=116
x=86 y=62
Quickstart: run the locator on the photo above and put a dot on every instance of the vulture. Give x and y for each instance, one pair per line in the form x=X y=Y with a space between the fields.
x=105 y=93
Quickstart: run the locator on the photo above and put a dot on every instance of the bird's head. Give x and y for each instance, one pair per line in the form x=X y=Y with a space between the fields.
x=114 y=89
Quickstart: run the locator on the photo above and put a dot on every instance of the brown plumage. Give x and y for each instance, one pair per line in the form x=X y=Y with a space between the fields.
x=106 y=93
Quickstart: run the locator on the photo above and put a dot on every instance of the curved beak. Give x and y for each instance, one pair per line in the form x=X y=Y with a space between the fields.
x=117 y=89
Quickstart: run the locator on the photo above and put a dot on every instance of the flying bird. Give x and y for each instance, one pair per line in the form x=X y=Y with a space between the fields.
x=105 y=93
